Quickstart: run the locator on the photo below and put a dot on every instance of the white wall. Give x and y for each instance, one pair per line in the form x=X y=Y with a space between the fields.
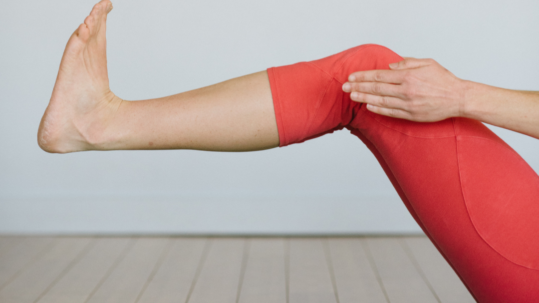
x=162 y=47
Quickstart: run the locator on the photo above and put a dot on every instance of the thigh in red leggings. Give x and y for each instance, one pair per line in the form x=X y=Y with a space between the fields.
x=473 y=196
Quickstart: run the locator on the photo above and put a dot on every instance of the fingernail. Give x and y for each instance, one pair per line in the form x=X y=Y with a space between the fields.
x=353 y=95
x=346 y=86
x=393 y=65
x=352 y=78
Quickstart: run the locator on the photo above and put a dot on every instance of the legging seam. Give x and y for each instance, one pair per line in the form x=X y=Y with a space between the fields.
x=425 y=230
x=463 y=199
x=466 y=204
x=325 y=72
x=421 y=137
x=488 y=139
x=389 y=167
x=318 y=102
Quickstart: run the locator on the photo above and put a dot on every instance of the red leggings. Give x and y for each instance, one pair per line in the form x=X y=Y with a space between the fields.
x=473 y=195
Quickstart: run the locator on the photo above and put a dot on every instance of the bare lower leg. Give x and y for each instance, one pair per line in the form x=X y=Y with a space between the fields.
x=235 y=115
x=83 y=114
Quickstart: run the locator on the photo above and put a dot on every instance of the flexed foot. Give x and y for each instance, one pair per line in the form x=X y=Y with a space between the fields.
x=82 y=105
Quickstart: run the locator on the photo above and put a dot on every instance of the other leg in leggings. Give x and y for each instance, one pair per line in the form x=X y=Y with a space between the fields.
x=477 y=199
x=309 y=103
x=474 y=197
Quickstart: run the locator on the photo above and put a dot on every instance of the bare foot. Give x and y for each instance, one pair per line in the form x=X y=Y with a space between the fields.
x=82 y=105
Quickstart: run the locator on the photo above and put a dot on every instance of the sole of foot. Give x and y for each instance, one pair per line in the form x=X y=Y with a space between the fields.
x=82 y=107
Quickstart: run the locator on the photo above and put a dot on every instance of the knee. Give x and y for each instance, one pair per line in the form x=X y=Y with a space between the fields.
x=379 y=54
x=367 y=57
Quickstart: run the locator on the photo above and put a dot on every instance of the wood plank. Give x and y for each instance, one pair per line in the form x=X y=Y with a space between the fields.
x=309 y=273
x=160 y=270
x=355 y=277
x=441 y=276
x=220 y=275
x=21 y=255
x=400 y=278
x=79 y=282
x=127 y=280
x=265 y=276
x=8 y=243
x=176 y=274
x=36 y=278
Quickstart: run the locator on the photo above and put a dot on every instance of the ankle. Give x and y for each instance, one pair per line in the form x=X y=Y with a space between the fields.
x=100 y=131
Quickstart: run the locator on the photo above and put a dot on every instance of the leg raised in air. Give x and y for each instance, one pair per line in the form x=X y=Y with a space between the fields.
x=83 y=113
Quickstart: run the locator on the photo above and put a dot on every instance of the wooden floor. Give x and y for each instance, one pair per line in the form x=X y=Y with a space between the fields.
x=225 y=270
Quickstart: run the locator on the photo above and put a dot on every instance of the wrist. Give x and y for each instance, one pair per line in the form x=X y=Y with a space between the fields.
x=470 y=98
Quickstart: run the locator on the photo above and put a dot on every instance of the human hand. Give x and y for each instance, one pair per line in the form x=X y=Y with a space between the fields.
x=414 y=89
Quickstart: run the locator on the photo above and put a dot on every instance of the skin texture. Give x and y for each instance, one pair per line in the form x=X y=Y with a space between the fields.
x=422 y=90
x=84 y=114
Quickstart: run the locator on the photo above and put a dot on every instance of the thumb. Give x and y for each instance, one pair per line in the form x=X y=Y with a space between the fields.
x=409 y=62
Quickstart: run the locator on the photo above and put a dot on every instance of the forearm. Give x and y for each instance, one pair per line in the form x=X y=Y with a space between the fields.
x=510 y=109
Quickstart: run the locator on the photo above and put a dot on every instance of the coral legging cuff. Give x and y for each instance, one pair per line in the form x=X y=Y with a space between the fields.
x=474 y=197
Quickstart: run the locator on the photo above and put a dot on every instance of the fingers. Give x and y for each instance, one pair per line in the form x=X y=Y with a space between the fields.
x=386 y=76
x=375 y=88
x=410 y=63
x=380 y=101
x=383 y=105
x=390 y=112
x=390 y=76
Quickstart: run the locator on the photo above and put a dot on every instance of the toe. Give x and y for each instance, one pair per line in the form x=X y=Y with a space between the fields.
x=83 y=32
x=107 y=5
x=97 y=9
x=101 y=8
x=95 y=21
x=90 y=23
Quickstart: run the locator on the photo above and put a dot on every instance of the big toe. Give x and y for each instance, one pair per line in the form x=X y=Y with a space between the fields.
x=101 y=8
x=98 y=16
x=104 y=6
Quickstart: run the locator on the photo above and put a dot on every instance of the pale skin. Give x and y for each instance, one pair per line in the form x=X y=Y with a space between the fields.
x=422 y=90
x=237 y=114
x=84 y=114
